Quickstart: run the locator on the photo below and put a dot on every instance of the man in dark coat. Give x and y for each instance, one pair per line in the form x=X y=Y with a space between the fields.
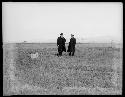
x=71 y=47
x=61 y=44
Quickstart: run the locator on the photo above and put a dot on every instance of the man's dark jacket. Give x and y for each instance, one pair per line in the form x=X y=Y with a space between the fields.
x=71 y=47
x=61 y=44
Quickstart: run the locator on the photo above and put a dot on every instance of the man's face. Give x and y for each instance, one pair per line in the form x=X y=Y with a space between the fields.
x=61 y=36
x=72 y=36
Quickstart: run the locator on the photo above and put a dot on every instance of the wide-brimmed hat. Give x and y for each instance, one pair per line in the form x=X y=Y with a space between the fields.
x=61 y=34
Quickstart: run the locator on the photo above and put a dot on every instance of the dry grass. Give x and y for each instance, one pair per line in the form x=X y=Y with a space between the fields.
x=95 y=69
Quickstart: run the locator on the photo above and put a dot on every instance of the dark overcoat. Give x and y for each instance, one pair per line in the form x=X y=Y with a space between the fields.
x=61 y=44
x=72 y=43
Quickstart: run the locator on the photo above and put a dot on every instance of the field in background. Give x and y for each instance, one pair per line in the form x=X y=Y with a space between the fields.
x=95 y=69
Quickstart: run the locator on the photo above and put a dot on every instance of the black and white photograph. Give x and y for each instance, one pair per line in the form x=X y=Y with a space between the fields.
x=62 y=48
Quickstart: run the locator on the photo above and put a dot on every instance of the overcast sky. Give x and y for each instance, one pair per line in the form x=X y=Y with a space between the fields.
x=43 y=22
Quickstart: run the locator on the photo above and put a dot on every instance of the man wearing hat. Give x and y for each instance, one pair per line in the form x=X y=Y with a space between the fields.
x=61 y=44
x=71 y=47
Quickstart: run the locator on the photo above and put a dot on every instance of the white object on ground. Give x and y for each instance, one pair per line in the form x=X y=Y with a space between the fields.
x=34 y=55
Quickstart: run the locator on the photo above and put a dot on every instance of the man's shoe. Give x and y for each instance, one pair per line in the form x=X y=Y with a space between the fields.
x=57 y=54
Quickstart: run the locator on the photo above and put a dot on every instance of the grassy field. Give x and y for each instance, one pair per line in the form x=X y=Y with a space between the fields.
x=96 y=69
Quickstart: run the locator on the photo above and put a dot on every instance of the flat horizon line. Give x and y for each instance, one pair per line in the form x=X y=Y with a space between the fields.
x=65 y=43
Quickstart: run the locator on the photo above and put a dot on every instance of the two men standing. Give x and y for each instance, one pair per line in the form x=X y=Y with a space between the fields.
x=61 y=45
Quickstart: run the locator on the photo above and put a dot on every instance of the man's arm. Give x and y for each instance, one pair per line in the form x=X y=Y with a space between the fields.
x=74 y=41
x=70 y=41
x=64 y=40
x=57 y=41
